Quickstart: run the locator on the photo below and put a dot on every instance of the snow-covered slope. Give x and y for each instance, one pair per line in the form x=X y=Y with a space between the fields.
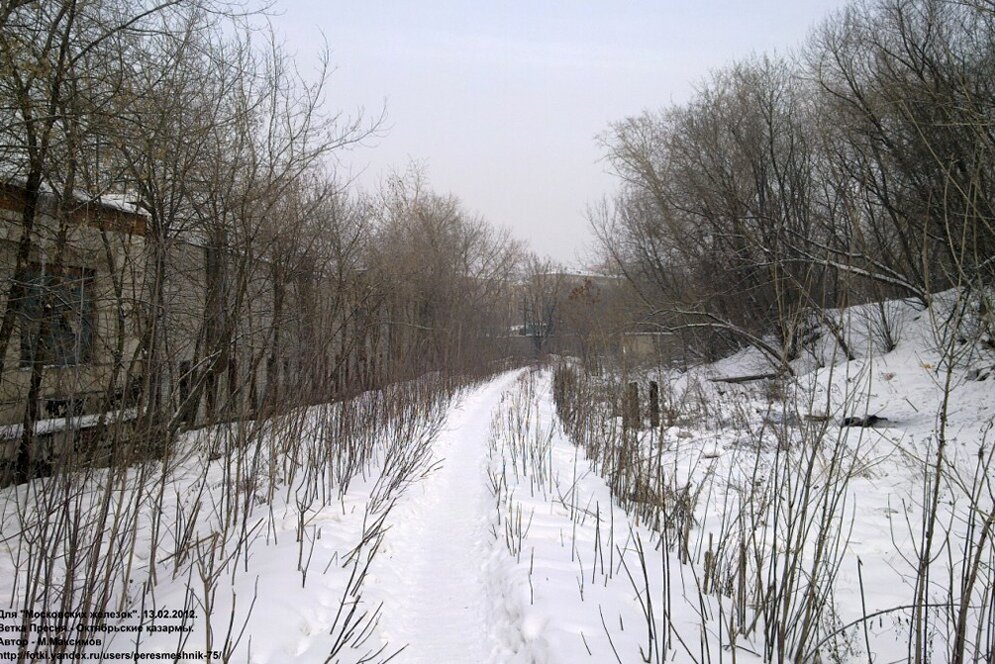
x=823 y=539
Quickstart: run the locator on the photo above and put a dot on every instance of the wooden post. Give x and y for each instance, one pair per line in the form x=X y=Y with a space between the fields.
x=630 y=407
x=654 y=404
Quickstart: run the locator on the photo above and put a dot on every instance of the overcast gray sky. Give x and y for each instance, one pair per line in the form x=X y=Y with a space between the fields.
x=502 y=101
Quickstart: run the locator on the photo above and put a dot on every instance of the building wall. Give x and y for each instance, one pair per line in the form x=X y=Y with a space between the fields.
x=216 y=335
x=105 y=248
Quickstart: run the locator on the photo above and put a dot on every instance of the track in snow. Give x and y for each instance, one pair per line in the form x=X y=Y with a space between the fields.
x=437 y=593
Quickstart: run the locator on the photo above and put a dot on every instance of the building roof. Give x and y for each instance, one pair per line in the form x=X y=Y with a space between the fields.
x=112 y=211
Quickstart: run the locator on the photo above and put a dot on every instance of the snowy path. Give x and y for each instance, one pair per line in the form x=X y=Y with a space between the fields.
x=433 y=573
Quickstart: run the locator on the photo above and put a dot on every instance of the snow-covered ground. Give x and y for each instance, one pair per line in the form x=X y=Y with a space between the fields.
x=432 y=574
x=829 y=523
x=251 y=544
x=750 y=526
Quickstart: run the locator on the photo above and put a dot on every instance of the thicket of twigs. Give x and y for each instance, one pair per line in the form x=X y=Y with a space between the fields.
x=90 y=541
x=753 y=491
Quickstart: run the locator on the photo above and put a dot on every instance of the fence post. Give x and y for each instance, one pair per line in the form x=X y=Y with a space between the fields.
x=630 y=407
x=654 y=404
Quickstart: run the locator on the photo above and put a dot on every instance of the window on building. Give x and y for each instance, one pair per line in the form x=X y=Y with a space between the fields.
x=56 y=314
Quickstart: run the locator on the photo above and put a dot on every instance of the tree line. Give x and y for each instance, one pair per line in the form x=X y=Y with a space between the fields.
x=858 y=169
x=260 y=279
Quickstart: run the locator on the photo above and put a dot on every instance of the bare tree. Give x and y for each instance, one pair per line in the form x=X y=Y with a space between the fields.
x=543 y=293
x=717 y=194
x=448 y=274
